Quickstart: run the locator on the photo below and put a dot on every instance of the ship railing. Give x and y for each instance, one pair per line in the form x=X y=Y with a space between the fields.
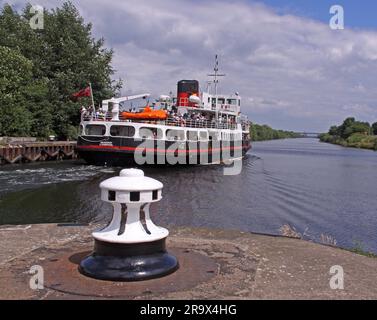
x=184 y=102
x=180 y=122
x=199 y=123
x=205 y=124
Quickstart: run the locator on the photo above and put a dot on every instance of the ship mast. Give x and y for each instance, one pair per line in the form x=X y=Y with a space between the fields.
x=216 y=74
x=216 y=80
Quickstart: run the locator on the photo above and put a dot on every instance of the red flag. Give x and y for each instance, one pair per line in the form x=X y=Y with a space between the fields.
x=82 y=93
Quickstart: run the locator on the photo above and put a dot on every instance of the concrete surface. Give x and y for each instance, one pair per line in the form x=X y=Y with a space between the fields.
x=216 y=264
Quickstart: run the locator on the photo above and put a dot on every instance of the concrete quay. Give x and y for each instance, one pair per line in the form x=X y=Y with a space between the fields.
x=214 y=264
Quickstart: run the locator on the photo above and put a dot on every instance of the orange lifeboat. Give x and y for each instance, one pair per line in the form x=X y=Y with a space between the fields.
x=148 y=113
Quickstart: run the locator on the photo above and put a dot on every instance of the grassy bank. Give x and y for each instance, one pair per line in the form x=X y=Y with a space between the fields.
x=356 y=140
x=264 y=133
x=352 y=133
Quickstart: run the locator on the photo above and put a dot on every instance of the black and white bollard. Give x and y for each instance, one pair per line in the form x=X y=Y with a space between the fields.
x=131 y=247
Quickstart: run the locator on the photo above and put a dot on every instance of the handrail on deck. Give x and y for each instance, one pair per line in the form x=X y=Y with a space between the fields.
x=208 y=124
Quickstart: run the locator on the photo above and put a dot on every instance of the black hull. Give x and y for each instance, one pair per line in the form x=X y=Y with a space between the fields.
x=116 y=152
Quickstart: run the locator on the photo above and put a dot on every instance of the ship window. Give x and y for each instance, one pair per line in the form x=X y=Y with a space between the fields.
x=151 y=133
x=213 y=136
x=122 y=131
x=95 y=130
x=203 y=135
x=192 y=135
x=221 y=100
x=209 y=99
x=232 y=101
x=175 y=135
x=154 y=194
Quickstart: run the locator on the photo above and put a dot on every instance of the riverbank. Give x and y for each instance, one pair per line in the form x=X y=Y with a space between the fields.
x=353 y=134
x=357 y=140
x=266 y=133
x=215 y=264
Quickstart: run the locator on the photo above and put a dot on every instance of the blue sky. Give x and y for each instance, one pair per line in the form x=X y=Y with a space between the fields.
x=292 y=70
x=358 y=13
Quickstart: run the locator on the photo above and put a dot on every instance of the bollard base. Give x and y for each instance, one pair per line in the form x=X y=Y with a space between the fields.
x=129 y=262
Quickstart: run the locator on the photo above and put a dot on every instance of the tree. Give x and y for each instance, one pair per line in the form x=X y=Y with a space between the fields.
x=36 y=94
x=64 y=57
x=334 y=131
x=343 y=127
x=356 y=127
x=74 y=60
x=15 y=72
x=349 y=127
x=374 y=128
x=264 y=132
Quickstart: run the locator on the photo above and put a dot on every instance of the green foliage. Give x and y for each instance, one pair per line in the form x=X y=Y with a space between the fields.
x=356 y=128
x=359 y=249
x=15 y=71
x=374 y=128
x=356 y=138
x=349 y=127
x=352 y=133
x=40 y=69
x=264 y=132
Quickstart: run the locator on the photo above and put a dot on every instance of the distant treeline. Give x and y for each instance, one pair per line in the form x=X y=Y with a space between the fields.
x=264 y=132
x=352 y=133
x=41 y=69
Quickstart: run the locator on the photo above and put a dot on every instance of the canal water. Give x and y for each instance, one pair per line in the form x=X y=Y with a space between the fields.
x=314 y=187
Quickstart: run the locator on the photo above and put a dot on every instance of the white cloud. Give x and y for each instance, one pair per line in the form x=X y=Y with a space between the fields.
x=285 y=64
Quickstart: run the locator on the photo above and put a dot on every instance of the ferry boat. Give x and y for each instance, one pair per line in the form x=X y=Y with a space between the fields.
x=194 y=127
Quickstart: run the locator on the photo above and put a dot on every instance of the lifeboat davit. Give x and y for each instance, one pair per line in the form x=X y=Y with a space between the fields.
x=148 y=113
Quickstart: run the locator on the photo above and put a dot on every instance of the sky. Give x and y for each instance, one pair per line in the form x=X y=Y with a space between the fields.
x=292 y=70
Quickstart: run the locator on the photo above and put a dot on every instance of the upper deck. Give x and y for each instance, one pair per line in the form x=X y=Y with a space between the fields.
x=223 y=123
x=226 y=104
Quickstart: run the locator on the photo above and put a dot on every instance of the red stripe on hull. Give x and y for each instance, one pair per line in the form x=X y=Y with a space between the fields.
x=95 y=147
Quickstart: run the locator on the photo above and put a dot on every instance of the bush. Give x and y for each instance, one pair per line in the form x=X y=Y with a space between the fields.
x=355 y=139
x=358 y=140
x=352 y=133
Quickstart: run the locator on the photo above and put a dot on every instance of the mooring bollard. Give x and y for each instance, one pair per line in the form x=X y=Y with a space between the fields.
x=131 y=247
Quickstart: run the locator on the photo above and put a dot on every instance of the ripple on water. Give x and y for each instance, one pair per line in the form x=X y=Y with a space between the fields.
x=20 y=178
x=303 y=183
